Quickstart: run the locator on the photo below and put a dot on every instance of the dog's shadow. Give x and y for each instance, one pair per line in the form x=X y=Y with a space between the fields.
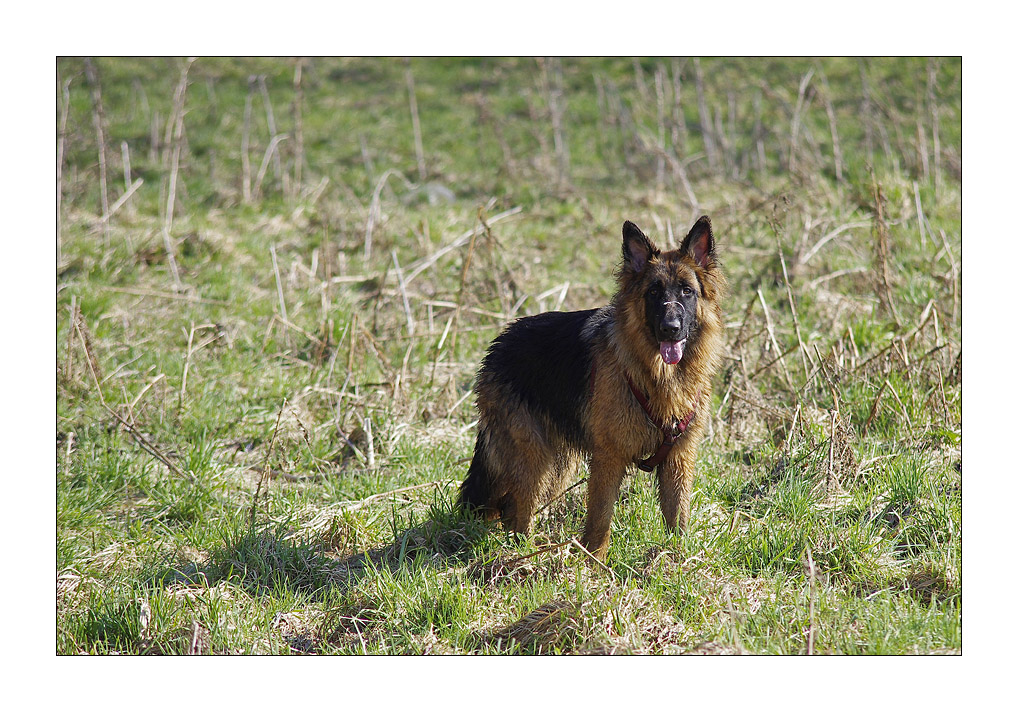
x=343 y=585
x=267 y=559
x=441 y=541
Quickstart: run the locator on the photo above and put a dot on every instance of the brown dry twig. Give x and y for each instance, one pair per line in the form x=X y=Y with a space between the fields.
x=131 y=429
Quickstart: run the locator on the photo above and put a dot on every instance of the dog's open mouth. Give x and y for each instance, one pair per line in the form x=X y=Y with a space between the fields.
x=672 y=352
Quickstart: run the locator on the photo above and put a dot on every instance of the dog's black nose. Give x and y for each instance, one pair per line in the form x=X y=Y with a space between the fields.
x=672 y=328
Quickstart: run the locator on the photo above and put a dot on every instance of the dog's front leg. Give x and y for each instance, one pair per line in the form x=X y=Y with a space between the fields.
x=607 y=471
x=675 y=485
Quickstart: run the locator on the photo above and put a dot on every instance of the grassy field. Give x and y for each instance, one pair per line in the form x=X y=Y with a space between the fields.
x=276 y=279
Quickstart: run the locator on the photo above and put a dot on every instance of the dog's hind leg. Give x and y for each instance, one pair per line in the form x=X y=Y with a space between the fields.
x=528 y=483
x=510 y=471
x=479 y=491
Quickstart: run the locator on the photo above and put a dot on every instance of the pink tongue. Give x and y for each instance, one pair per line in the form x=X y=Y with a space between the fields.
x=672 y=352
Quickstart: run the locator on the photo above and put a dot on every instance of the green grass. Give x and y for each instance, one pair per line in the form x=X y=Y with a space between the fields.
x=353 y=422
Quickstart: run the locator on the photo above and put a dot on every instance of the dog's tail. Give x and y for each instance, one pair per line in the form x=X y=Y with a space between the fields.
x=476 y=490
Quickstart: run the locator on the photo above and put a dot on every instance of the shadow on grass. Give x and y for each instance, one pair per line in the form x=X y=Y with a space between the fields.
x=441 y=541
x=274 y=560
x=333 y=612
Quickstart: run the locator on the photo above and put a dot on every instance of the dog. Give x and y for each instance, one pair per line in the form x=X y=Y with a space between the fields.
x=628 y=383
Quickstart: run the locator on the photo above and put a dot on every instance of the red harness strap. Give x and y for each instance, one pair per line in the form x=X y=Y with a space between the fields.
x=670 y=433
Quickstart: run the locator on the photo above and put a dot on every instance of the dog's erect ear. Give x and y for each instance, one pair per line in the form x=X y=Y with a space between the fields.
x=637 y=248
x=700 y=243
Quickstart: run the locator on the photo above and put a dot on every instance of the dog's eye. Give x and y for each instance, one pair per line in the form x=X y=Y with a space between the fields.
x=687 y=291
x=655 y=291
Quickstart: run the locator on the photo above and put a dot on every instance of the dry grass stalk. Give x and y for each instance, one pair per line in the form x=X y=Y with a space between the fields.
x=375 y=209
x=660 y=96
x=740 y=335
x=463 y=282
x=774 y=341
x=797 y=115
x=866 y=113
x=955 y=278
x=119 y=203
x=69 y=364
x=941 y=388
x=125 y=160
x=298 y=127
x=576 y=543
x=817 y=281
x=873 y=407
x=792 y=307
x=921 y=140
x=763 y=368
x=929 y=313
x=638 y=77
x=297 y=328
x=678 y=170
x=920 y=220
x=166 y=296
x=184 y=371
x=245 y=144
x=438 y=350
x=351 y=505
x=271 y=154
x=350 y=347
x=134 y=402
x=154 y=140
x=812 y=575
x=704 y=116
x=171 y=198
x=380 y=354
x=724 y=143
x=419 y=266
x=85 y=336
x=93 y=365
x=67 y=454
x=270 y=120
x=98 y=120
x=730 y=610
x=146 y=445
x=557 y=107
x=905 y=414
x=932 y=72
x=552 y=88
x=829 y=109
x=419 y=150
x=265 y=466
x=187 y=358
x=831 y=235
x=758 y=137
x=403 y=293
x=830 y=479
x=369 y=440
x=279 y=284
x=65 y=102
x=881 y=228
x=678 y=120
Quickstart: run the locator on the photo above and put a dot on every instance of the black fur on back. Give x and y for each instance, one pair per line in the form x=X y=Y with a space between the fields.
x=543 y=361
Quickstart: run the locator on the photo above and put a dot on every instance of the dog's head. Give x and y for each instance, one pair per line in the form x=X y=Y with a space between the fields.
x=671 y=283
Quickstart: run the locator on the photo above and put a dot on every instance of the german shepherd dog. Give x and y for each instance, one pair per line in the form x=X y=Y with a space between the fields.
x=613 y=384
